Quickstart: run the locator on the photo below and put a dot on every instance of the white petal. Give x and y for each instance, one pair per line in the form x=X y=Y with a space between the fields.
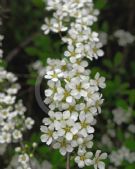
x=73 y=59
x=49 y=141
x=67 y=53
x=48 y=92
x=88 y=162
x=69 y=136
x=43 y=129
x=74 y=116
x=90 y=129
x=44 y=138
x=61 y=132
x=69 y=99
x=62 y=151
x=56 y=145
x=66 y=114
x=103 y=156
x=55 y=79
x=101 y=165
x=81 y=164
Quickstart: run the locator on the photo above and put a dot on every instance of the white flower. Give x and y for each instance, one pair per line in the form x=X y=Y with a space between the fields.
x=5 y=137
x=97 y=52
x=23 y=158
x=50 y=121
x=98 y=81
x=85 y=121
x=29 y=122
x=46 y=165
x=121 y=116
x=72 y=53
x=47 y=26
x=103 y=36
x=58 y=26
x=63 y=145
x=78 y=88
x=48 y=135
x=17 y=134
x=54 y=75
x=124 y=37
x=98 y=164
x=87 y=142
x=69 y=129
x=106 y=141
x=18 y=149
x=83 y=158
x=131 y=128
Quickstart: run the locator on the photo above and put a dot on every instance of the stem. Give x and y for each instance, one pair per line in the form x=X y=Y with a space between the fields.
x=68 y=161
x=17 y=50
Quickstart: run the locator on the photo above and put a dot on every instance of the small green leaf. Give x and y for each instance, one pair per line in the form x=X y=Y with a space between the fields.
x=118 y=59
x=130 y=143
x=132 y=97
x=108 y=63
x=120 y=134
x=38 y=3
x=105 y=27
x=31 y=51
x=100 y=4
x=121 y=103
x=130 y=166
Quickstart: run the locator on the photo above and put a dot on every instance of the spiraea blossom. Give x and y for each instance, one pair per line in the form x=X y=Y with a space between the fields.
x=23 y=163
x=121 y=116
x=73 y=95
x=124 y=37
x=122 y=154
x=12 y=118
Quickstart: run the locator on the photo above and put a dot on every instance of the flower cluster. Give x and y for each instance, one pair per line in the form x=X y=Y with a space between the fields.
x=124 y=37
x=34 y=163
x=73 y=96
x=12 y=119
x=23 y=158
x=82 y=11
x=117 y=157
x=120 y=128
x=121 y=116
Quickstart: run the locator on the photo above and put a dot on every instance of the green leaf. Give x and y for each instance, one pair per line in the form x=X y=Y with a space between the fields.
x=57 y=159
x=132 y=97
x=38 y=3
x=118 y=59
x=130 y=143
x=121 y=103
x=105 y=27
x=108 y=63
x=130 y=166
x=100 y=4
x=31 y=51
x=120 y=134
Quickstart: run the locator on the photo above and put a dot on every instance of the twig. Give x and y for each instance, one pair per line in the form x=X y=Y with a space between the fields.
x=15 y=51
x=68 y=161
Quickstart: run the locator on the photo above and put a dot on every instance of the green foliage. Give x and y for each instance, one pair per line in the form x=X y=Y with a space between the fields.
x=100 y=4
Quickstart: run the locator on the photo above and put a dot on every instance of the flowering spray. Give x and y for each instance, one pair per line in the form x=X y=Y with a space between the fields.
x=73 y=97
